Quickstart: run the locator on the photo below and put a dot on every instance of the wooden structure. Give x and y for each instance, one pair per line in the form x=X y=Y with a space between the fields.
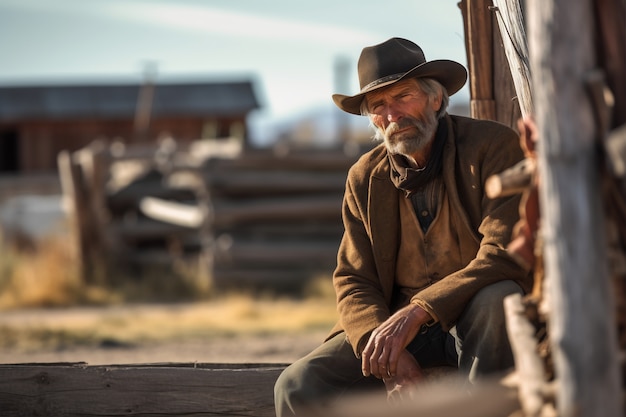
x=275 y=221
x=569 y=90
x=492 y=89
x=53 y=118
x=248 y=218
x=579 y=196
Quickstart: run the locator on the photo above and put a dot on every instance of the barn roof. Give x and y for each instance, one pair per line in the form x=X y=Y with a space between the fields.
x=120 y=101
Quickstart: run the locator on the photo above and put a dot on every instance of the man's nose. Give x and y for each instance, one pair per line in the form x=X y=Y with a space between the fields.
x=393 y=113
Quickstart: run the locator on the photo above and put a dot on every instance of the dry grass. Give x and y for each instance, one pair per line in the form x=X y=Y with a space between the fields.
x=141 y=324
x=45 y=275
x=46 y=306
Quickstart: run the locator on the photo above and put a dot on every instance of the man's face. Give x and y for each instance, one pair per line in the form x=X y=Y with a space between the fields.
x=404 y=117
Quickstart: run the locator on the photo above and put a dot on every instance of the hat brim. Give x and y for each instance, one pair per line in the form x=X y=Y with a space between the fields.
x=450 y=74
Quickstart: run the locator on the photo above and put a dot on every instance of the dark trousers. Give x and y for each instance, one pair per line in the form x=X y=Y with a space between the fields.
x=478 y=345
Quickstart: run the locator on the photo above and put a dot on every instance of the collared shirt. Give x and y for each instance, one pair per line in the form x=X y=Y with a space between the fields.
x=426 y=202
x=429 y=254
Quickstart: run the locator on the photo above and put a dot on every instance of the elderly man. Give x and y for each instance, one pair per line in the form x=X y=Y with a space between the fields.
x=422 y=268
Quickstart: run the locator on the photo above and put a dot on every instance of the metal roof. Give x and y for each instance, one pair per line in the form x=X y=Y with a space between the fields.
x=120 y=101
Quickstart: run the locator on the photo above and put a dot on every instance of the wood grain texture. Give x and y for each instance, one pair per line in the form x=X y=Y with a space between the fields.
x=146 y=390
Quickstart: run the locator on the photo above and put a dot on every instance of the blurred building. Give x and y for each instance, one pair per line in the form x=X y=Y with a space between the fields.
x=37 y=122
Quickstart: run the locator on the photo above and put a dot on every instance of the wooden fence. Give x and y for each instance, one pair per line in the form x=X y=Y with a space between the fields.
x=248 y=217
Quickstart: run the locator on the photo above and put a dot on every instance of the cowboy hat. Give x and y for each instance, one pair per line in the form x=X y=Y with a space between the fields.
x=396 y=59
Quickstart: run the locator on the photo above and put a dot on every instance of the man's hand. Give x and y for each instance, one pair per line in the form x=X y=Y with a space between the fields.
x=389 y=340
x=409 y=373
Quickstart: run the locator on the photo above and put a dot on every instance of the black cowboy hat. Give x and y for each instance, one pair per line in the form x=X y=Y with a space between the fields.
x=396 y=59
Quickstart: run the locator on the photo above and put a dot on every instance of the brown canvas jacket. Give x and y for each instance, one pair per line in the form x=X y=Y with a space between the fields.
x=366 y=260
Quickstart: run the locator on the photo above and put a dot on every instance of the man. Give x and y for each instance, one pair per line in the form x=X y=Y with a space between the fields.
x=422 y=268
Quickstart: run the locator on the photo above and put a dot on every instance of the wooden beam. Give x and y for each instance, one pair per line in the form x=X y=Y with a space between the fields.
x=263 y=182
x=213 y=389
x=311 y=160
x=581 y=314
x=226 y=213
x=293 y=252
x=72 y=390
x=513 y=34
x=528 y=364
x=479 y=49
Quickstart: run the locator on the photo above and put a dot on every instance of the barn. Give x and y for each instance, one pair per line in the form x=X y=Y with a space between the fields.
x=50 y=118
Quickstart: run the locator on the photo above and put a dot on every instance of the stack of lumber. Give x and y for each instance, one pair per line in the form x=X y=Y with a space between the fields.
x=247 y=217
x=275 y=219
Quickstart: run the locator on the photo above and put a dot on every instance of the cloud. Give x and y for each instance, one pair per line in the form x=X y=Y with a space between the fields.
x=211 y=20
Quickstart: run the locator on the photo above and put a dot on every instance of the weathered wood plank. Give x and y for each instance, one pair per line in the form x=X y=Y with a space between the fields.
x=277 y=277
x=227 y=213
x=582 y=329
x=64 y=390
x=277 y=182
x=279 y=253
x=511 y=23
x=213 y=389
x=528 y=365
x=479 y=47
x=506 y=98
x=320 y=161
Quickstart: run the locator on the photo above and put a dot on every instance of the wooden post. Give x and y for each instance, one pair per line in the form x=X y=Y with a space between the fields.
x=581 y=316
x=93 y=162
x=492 y=90
x=479 y=47
x=75 y=201
x=529 y=366
x=513 y=34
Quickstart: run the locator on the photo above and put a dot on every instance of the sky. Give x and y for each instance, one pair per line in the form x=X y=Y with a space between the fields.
x=288 y=48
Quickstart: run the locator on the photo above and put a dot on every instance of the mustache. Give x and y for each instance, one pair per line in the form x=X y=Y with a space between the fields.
x=395 y=127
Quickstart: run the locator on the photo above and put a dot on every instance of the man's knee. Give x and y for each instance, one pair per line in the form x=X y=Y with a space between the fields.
x=287 y=388
x=488 y=303
x=483 y=324
x=311 y=379
x=482 y=342
x=283 y=382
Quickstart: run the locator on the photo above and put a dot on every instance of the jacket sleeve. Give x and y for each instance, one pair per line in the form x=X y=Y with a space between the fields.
x=492 y=220
x=362 y=300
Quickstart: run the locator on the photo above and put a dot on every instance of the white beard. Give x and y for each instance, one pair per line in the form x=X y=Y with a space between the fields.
x=410 y=141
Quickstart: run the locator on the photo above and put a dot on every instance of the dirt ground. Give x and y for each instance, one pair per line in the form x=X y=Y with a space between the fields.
x=51 y=336
x=237 y=349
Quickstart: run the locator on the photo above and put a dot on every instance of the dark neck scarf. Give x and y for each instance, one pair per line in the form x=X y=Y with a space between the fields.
x=410 y=179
